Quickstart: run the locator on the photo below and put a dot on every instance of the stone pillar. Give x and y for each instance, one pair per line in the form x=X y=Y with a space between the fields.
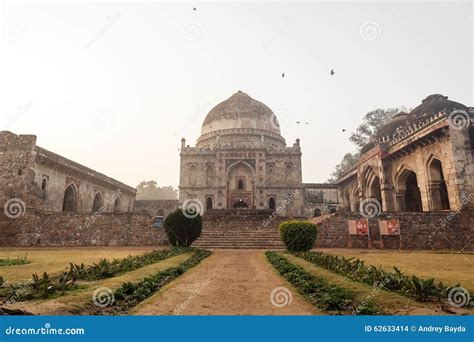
x=435 y=195
x=400 y=201
x=463 y=181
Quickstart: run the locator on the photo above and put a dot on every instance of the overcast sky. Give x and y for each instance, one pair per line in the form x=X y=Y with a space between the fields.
x=116 y=86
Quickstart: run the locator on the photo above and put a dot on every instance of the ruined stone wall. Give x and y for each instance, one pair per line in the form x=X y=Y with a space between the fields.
x=432 y=230
x=80 y=229
x=156 y=207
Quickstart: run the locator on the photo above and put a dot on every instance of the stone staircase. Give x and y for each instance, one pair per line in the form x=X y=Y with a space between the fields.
x=240 y=229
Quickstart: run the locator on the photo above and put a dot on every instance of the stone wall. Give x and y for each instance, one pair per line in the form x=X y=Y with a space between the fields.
x=156 y=207
x=433 y=230
x=80 y=229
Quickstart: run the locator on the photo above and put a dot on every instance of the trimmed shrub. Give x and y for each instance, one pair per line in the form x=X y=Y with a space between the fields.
x=181 y=230
x=298 y=236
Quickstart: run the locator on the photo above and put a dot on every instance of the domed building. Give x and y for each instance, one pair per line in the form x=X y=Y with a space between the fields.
x=418 y=161
x=242 y=161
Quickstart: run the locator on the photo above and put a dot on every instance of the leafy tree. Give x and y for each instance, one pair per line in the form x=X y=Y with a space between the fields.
x=370 y=125
x=348 y=161
x=148 y=190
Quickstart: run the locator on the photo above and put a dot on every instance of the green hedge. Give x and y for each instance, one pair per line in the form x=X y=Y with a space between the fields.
x=182 y=231
x=298 y=236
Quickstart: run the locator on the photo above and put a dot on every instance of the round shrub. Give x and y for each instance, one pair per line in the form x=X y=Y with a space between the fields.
x=182 y=231
x=298 y=236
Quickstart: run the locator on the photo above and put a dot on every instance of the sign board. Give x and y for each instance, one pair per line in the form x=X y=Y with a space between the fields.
x=390 y=227
x=358 y=227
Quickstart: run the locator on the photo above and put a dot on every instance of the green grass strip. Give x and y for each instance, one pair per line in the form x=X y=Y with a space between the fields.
x=328 y=297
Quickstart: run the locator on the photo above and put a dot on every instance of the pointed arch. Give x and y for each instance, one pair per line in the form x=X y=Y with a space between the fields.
x=408 y=192
x=271 y=203
x=70 y=198
x=118 y=205
x=437 y=187
x=193 y=175
x=98 y=202
x=209 y=203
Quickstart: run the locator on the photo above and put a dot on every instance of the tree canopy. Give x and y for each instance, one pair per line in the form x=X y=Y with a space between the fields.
x=149 y=190
x=371 y=123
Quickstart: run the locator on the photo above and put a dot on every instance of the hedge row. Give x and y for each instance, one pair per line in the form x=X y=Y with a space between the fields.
x=328 y=297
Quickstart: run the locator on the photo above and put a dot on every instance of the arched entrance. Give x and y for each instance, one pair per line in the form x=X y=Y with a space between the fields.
x=408 y=192
x=98 y=203
x=70 y=201
x=209 y=203
x=240 y=185
x=438 y=191
x=240 y=204
x=271 y=203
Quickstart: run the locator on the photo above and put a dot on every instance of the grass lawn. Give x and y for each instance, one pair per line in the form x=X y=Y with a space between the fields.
x=54 y=260
x=72 y=302
x=389 y=302
x=450 y=268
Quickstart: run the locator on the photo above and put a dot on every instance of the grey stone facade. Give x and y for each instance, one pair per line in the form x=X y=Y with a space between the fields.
x=241 y=160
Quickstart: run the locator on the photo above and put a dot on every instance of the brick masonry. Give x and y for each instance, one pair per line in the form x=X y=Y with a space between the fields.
x=80 y=229
x=433 y=230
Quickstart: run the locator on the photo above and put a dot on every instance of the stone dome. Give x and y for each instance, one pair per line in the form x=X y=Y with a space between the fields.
x=240 y=111
x=237 y=116
x=434 y=104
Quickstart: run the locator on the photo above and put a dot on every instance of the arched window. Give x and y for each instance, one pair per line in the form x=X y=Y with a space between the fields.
x=210 y=175
x=437 y=186
x=408 y=192
x=240 y=184
x=192 y=175
x=271 y=203
x=69 y=202
x=44 y=187
x=117 y=205
x=209 y=203
x=98 y=203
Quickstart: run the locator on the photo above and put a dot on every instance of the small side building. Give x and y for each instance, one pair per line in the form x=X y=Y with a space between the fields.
x=47 y=182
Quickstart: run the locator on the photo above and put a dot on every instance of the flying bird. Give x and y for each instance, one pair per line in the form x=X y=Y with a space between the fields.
x=194 y=9
x=298 y=122
x=283 y=75
x=333 y=72
x=343 y=129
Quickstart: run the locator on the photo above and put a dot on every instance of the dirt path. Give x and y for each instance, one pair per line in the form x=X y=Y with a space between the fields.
x=227 y=283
